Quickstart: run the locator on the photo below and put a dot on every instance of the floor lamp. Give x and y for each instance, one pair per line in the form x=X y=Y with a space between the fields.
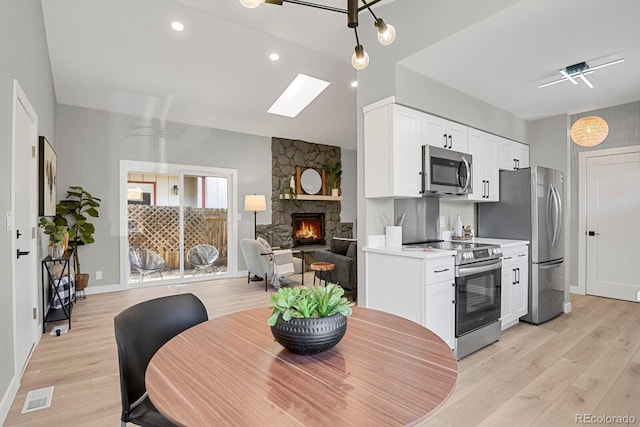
x=255 y=203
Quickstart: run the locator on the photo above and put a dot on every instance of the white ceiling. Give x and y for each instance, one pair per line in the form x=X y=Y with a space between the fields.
x=122 y=56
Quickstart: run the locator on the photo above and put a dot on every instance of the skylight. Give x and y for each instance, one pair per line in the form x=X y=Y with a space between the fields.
x=300 y=92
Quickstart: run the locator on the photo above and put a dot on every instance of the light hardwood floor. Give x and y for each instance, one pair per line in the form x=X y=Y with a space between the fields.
x=585 y=362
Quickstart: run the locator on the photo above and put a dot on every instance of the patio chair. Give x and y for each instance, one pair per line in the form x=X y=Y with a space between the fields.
x=145 y=261
x=202 y=257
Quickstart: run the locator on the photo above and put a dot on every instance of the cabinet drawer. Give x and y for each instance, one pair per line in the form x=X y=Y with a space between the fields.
x=439 y=270
x=514 y=255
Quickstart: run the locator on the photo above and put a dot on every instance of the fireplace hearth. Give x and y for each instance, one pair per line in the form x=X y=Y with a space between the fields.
x=308 y=229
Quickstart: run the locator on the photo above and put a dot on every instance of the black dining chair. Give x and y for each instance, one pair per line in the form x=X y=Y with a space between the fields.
x=140 y=331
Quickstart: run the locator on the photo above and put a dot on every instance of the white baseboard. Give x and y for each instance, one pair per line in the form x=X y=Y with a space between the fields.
x=576 y=290
x=91 y=290
x=7 y=399
x=567 y=307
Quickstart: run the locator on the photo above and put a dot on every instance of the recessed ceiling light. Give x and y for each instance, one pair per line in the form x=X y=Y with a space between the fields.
x=274 y=57
x=354 y=83
x=177 y=26
x=300 y=92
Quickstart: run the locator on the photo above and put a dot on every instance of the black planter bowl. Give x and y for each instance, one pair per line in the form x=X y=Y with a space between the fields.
x=310 y=336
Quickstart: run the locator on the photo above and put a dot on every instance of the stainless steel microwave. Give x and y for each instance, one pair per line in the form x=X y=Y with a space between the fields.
x=445 y=172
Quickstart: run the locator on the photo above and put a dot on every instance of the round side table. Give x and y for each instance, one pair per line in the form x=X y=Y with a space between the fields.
x=322 y=266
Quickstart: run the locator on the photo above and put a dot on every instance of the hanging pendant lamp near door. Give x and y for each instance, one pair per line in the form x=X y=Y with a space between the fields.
x=589 y=131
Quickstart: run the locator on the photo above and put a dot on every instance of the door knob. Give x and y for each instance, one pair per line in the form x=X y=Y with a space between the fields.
x=20 y=253
x=592 y=233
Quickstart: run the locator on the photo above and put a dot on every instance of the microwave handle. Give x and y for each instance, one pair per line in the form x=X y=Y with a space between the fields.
x=468 y=169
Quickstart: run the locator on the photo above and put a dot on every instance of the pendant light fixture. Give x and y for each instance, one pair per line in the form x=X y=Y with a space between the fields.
x=360 y=58
x=589 y=131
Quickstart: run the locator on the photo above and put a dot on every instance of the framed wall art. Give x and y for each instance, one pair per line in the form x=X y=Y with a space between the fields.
x=47 y=174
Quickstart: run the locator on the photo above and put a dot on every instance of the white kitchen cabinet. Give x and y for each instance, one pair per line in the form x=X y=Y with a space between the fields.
x=484 y=149
x=512 y=155
x=440 y=299
x=515 y=284
x=416 y=288
x=392 y=151
x=439 y=132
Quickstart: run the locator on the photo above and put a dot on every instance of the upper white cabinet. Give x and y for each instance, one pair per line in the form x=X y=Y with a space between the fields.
x=512 y=154
x=442 y=133
x=484 y=149
x=392 y=151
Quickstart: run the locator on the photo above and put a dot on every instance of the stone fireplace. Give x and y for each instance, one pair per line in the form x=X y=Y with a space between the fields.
x=308 y=229
x=286 y=155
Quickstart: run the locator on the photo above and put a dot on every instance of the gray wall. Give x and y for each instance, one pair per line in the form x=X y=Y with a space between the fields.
x=91 y=144
x=624 y=131
x=23 y=49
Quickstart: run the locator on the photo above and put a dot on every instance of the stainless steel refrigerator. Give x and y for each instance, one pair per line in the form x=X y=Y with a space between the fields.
x=531 y=207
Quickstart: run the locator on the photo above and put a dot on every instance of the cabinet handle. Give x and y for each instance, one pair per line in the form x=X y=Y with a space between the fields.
x=445 y=140
x=522 y=255
x=504 y=259
x=453 y=285
x=517 y=163
x=450 y=141
x=514 y=276
x=453 y=301
x=518 y=271
x=440 y=271
x=514 y=164
x=488 y=189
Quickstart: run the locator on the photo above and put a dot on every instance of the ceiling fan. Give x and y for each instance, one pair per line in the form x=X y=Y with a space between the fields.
x=579 y=71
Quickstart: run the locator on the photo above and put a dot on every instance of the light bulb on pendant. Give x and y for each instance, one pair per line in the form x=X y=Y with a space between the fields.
x=386 y=33
x=251 y=3
x=360 y=58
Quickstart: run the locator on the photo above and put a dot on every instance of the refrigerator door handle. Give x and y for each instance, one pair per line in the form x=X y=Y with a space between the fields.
x=550 y=231
x=550 y=265
x=558 y=216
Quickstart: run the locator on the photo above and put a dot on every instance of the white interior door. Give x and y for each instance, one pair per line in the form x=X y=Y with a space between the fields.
x=23 y=199
x=613 y=210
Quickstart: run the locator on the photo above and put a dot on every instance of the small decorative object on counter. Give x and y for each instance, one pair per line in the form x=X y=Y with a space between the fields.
x=292 y=182
x=457 y=227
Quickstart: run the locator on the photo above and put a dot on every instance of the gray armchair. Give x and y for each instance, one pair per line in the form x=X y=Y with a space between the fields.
x=343 y=254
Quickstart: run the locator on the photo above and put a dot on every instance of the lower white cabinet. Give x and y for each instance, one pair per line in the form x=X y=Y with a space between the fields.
x=418 y=289
x=440 y=310
x=515 y=284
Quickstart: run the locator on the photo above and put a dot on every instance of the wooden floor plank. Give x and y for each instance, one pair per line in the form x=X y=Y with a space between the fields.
x=587 y=359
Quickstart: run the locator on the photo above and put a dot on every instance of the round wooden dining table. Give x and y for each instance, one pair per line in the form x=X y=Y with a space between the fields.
x=229 y=371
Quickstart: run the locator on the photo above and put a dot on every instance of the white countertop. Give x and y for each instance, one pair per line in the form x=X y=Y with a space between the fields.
x=504 y=243
x=424 y=253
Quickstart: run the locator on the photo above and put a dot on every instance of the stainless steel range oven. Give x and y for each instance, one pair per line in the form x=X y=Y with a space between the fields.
x=478 y=272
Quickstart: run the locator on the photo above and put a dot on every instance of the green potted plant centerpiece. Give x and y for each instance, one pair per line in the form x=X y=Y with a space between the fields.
x=309 y=320
x=56 y=235
x=75 y=212
x=334 y=172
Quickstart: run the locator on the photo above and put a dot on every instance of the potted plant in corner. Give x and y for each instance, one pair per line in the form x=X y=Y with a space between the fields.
x=334 y=172
x=74 y=212
x=309 y=320
x=56 y=235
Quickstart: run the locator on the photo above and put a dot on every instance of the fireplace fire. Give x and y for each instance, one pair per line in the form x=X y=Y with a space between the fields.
x=308 y=229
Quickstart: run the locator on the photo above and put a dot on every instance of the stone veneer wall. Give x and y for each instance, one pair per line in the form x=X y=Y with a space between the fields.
x=286 y=154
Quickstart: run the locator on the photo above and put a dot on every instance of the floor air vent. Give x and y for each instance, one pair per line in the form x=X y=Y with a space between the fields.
x=38 y=399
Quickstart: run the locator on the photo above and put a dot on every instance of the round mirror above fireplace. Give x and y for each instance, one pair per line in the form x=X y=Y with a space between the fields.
x=311 y=181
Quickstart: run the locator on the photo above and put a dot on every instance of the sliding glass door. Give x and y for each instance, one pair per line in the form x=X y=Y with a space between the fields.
x=178 y=223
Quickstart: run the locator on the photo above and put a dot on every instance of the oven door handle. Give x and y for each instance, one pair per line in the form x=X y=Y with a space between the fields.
x=480 y=267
